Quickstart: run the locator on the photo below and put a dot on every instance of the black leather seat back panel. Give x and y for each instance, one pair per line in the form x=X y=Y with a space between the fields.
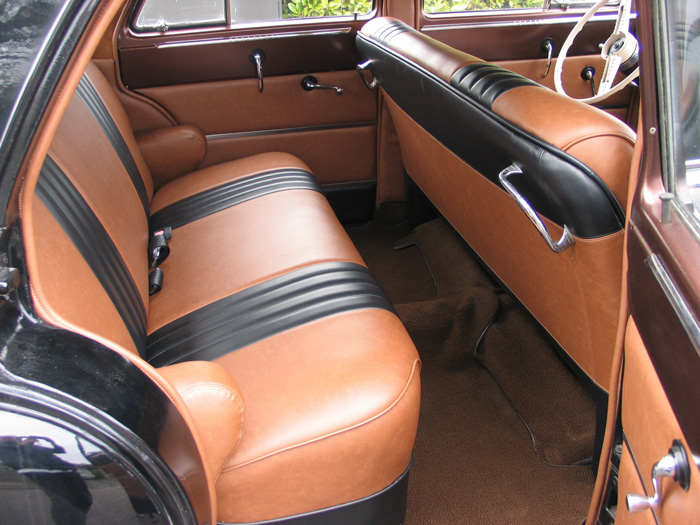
x=558 y=186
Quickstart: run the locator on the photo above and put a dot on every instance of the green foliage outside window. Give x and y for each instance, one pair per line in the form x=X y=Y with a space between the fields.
x=447 y=6
x=320 y=8
x=317 y=8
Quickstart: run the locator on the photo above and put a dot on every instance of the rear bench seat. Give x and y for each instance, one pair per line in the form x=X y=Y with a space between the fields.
x=302 y=381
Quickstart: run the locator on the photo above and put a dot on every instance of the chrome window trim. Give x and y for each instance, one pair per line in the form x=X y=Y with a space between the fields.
x=269 y=24
x=252 y=38
x=519 y=22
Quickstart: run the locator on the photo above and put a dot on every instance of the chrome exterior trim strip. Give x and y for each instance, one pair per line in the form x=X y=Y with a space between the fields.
x=284 y=131
x=678 y=303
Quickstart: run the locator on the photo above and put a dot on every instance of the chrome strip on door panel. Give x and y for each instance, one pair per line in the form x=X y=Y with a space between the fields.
x=252 y=38
x=283 y=131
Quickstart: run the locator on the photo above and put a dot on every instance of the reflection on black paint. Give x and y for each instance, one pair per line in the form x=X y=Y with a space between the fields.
x=36 y=458
x=23 y=28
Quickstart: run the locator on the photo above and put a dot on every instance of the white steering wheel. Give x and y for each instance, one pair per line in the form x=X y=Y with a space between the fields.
x=620 y=49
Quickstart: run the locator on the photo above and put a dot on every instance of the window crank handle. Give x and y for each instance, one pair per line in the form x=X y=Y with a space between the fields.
x=309 y=83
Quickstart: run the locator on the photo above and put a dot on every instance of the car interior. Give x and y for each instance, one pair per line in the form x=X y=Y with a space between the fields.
x=376 y=264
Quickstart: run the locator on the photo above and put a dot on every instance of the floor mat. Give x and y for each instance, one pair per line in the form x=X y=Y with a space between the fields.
x=474 y=460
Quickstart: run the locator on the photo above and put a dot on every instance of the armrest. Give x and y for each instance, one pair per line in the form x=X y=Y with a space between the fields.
x=215 y=403
x=171 y=152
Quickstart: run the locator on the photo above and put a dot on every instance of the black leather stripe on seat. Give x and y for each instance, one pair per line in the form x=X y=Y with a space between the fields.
x=486 y=82
x=264 y=310
x=88 y=234
x=221 y=197
x=92 y=100
x=391 y=30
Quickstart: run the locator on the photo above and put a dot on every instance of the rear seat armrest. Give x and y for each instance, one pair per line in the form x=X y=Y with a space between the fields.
x=216 y=404
x=171 y=152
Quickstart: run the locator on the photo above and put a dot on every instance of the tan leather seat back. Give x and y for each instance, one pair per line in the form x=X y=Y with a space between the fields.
x=85 y=222
x=460 y=122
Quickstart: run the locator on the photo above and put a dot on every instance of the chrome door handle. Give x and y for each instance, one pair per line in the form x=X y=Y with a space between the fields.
x=257 y=57
x=361 y=71
x=673 y=465
x=562 y=244
x=309 y=83
x=547 y=46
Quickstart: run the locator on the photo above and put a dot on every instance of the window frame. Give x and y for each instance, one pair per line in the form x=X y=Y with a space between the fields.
x=229 y=26
x=575 y=7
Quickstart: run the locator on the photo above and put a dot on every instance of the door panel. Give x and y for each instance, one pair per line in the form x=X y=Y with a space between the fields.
x=334 y=134
x=332 y=154
x=660 y=387
x=650 y=427
x=237 y=106
x=206 y=78
x=221 y=55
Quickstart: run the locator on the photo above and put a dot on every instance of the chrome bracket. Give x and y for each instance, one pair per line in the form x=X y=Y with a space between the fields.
x=361 y=71
x=566 y=241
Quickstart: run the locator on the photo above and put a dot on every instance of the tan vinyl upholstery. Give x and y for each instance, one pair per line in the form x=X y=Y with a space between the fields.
x=313 y=415
x=574 y=294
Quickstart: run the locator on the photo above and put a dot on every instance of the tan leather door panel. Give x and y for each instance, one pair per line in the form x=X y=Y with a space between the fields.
x=205 y=78
x=334 y=134
x=650 y=427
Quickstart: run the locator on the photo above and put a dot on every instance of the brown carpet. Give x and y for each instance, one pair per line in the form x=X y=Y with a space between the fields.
x=474 y=459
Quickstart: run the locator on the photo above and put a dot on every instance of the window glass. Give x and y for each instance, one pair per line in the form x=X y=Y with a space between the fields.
x=166 y=14
x=686 y=74
x=451 y=6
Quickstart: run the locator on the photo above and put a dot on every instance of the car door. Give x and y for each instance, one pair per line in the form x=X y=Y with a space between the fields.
x=195 y=63
x=660 y=428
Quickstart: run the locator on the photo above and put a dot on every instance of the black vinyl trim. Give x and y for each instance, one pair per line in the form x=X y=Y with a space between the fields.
x=386 y=507
x=226 y=195
x=87 y=93
x=557 y=185
x=486 y=82
x=93 y=242
x=266 y=309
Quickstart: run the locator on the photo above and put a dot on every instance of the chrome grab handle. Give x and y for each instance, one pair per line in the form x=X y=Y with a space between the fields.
x=361 y=70
x=257 y=57
x=562 y=244
x=309 y=83
x=547 y=46
x=672 y=465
